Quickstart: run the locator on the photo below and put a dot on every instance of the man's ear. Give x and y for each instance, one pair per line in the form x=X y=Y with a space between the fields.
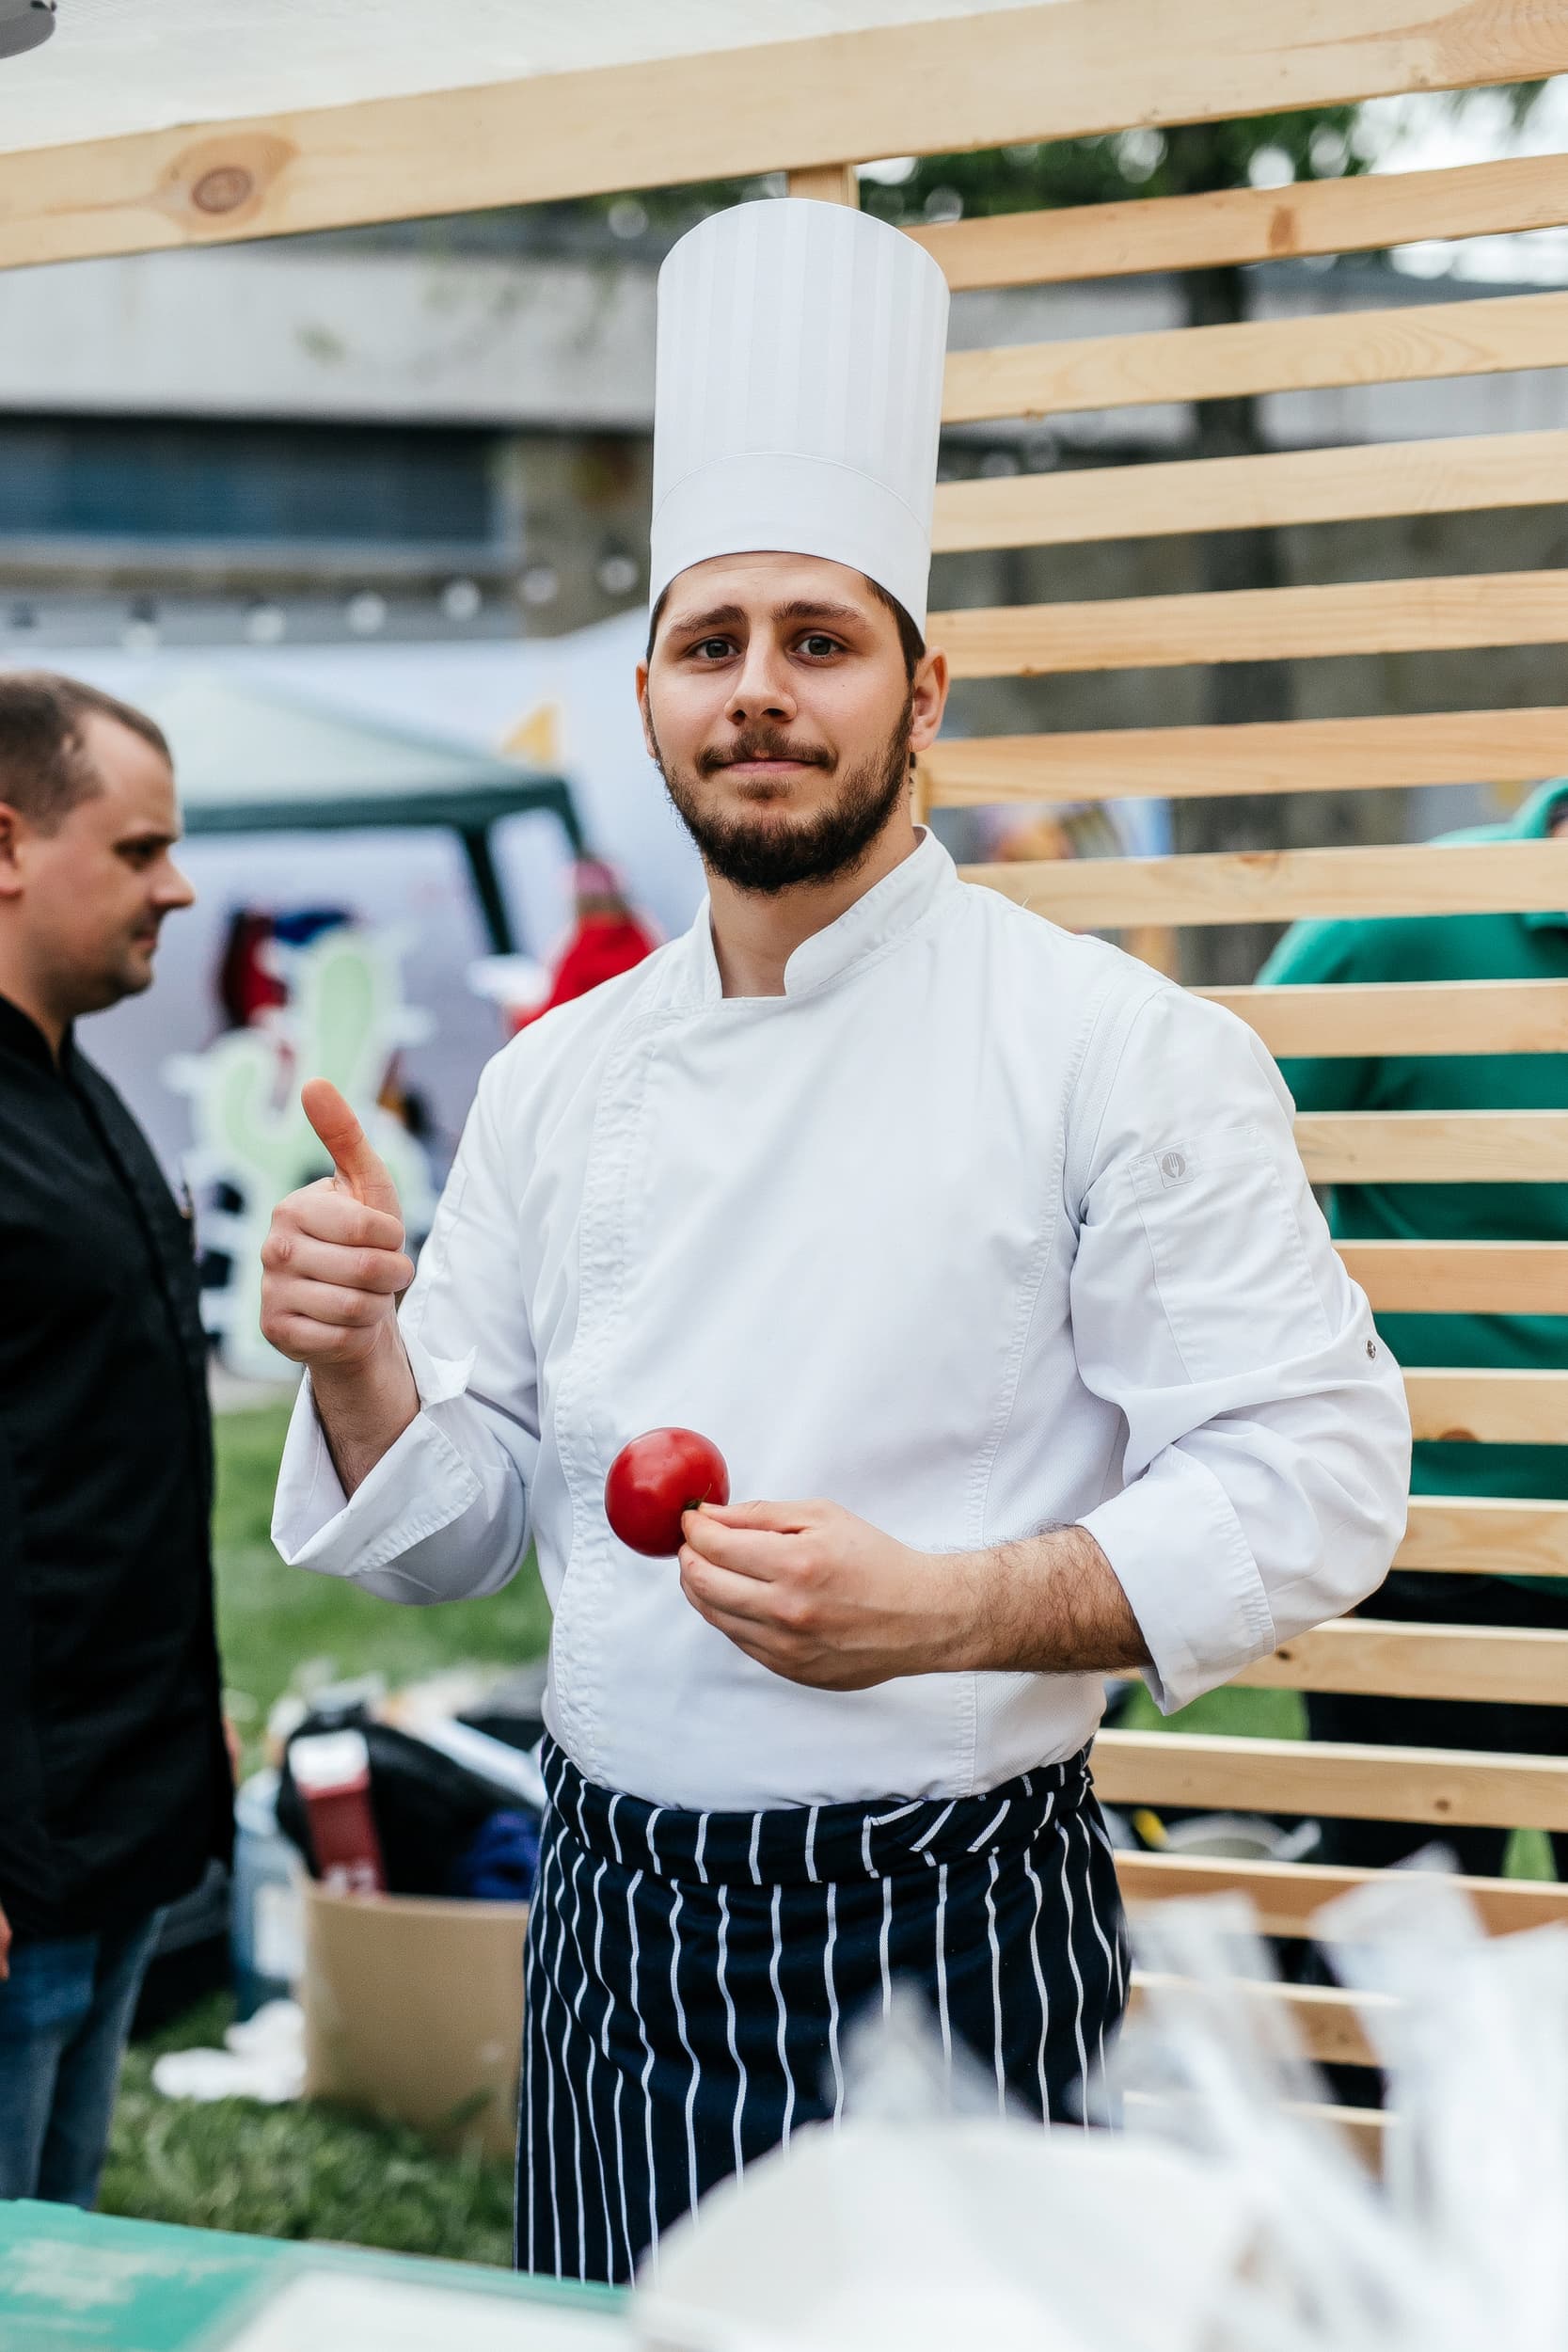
x=927 y=699
x=649 y=741
x=13 y=831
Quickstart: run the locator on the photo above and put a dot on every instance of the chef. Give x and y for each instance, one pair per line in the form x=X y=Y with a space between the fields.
x=982 y=1253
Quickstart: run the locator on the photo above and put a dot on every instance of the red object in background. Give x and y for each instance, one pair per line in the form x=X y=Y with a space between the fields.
x=609 y=939
x=652 y=1480
x=247 y=988
x=332 y=1773
x=601 y=946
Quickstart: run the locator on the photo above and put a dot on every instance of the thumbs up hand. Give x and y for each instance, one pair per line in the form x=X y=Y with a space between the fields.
x=333 y=1262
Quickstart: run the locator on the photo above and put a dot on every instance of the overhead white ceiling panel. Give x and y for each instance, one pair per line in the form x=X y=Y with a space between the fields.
x=121 y=65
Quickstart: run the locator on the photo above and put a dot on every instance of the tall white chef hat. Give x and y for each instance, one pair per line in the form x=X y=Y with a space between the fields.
x=798 y=394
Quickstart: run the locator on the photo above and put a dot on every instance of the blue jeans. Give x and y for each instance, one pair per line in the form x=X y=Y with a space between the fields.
x=65 y=2013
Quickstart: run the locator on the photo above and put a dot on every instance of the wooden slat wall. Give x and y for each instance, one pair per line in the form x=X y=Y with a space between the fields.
x=1137 y=898
x=1291 y=756
x=1286 y=1895
x=1359 y=616
x=1418 y=1017
x=1484 y=337
x=1420 y=1661
x=1433 y=1787
x=1435 y=1148
x=1308 y=485
x=1050 y=72
x=1250 y=224
x=1285 y=885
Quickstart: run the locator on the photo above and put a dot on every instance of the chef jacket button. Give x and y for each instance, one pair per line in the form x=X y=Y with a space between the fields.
x=1371 y=1347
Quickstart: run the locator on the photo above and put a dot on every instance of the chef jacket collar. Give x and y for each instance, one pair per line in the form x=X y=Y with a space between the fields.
x=887 y=911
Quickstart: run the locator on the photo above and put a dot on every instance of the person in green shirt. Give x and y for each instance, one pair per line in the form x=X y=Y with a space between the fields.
x=1449 y=947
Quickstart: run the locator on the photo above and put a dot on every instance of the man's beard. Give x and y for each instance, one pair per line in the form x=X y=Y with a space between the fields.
x=778 y=854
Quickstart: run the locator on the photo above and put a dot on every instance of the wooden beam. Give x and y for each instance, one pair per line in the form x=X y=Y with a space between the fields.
x=828 y=183
x=1414 y=1017
x=1324 y=2020
x=1441 y=1787
x=1357 y=215
x=1280 y=885
x=1360 y=617
x=1396 y=346
x=1286 y=1896
x=1388 y=1660
x=1489 y=1407
x=1449 y=1536
x=1042 y=73
x=1462 y=475
x=1365 y=2130
x=1273 y=755
x=1435 y=1148
x=1461 y=1277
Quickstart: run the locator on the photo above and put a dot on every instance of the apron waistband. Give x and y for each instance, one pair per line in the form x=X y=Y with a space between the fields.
x=811 y=1845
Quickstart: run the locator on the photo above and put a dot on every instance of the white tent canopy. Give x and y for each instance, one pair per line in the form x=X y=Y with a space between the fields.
x=252 y=758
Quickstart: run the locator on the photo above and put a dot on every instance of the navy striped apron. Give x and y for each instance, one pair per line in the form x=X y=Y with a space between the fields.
x=689 y=1977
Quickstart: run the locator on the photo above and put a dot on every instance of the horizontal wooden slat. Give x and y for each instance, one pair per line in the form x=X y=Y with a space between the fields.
x=1359 y=616
x=1050 y=73
x=1420 y=1017
x=1489 y=1407
x=1286 y=1895
x=1284 y=886
x=1434 y=1147
x=1404 y=346
x=1365 y=2129
x=1452 y=1536
x=1455 y=1788
x=1212 y=763
x=1461 y=1277
x=1420 y=1661
x=1326 y=2021
x=1357 y=215
x=1459 y=475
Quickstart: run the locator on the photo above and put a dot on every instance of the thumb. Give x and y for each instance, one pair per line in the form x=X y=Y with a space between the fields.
x=361 y=1169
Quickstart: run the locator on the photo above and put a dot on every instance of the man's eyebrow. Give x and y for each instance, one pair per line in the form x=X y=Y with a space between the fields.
x=148 y=838
x=815 y=609
x=717 y=617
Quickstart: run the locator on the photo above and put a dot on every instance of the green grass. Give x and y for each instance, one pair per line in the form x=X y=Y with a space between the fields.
x=298 y=2172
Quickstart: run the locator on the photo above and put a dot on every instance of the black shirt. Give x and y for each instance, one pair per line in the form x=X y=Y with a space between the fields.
x=113 y=1781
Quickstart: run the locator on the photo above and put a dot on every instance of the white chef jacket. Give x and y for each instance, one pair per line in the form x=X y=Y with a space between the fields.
x=979 y=1229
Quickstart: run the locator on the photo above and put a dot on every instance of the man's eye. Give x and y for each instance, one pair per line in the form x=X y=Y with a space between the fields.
x=819 y=645
x=712 y=648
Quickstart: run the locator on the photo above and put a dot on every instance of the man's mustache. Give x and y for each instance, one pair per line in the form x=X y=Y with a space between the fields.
x=760 y=746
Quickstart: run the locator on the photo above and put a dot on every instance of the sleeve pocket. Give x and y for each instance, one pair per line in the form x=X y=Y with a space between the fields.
x=1227 y=1251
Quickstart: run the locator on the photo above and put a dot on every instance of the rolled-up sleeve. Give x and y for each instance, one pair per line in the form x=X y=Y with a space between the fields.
x=443 y=1515
x=1267 y=1460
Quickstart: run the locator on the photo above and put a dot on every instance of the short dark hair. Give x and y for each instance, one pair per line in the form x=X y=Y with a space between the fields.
x=44 y=767
x=911 y=643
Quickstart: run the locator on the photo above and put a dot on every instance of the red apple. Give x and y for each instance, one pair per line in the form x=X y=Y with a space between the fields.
x=657 y=1477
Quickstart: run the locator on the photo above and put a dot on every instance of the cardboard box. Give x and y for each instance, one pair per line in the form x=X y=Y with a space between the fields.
x=414 y=2012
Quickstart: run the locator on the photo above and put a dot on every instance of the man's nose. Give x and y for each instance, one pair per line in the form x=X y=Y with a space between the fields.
x=763 y=689
x=174 y=889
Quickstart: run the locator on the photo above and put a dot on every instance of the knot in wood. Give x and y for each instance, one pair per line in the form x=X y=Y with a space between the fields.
x=224 y=189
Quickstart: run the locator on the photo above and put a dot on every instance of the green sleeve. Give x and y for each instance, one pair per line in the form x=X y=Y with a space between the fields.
x=1322 y=954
